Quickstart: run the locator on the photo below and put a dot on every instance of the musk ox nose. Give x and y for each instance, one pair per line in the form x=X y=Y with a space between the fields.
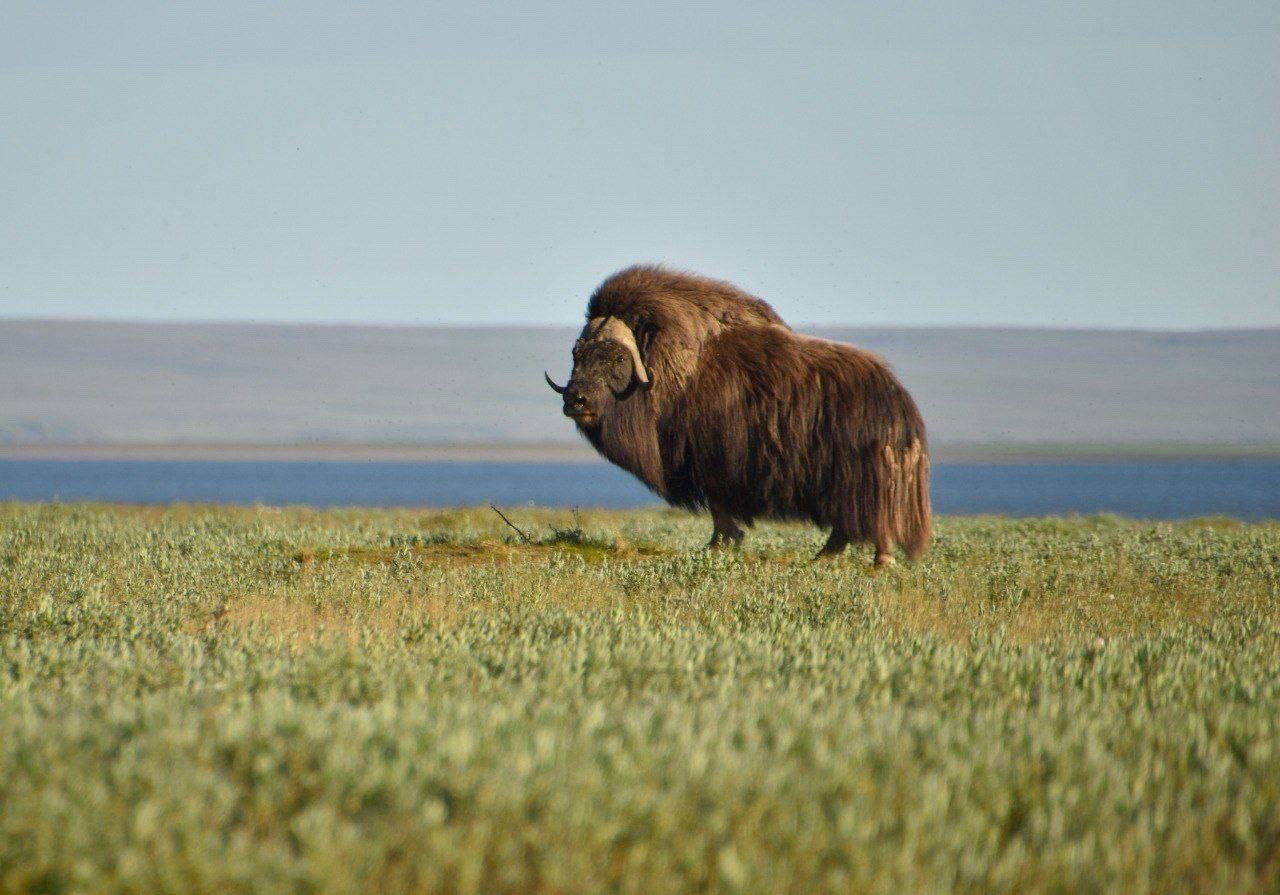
x=575 y=405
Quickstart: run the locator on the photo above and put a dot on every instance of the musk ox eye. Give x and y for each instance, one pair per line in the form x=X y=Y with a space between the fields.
x=621 y=376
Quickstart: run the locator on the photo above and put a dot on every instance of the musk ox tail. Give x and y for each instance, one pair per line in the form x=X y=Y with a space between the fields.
x=905 y=516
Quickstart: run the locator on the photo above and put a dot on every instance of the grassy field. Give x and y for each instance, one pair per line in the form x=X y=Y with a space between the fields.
x=220 y=700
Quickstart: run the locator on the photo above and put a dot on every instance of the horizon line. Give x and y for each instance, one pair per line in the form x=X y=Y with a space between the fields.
x=489 y=325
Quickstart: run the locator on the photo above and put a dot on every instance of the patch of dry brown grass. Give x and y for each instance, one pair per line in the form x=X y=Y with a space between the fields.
x=487 y=552
x=1035 y=603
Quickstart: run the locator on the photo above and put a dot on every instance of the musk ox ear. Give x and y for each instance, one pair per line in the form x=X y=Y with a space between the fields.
x=629 y=382
x=614 y=329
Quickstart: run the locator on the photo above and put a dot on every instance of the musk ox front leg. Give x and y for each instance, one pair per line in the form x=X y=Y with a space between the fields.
x=726 y=532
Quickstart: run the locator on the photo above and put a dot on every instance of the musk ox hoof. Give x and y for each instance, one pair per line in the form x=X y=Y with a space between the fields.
x=725 y=532
x=884 y=560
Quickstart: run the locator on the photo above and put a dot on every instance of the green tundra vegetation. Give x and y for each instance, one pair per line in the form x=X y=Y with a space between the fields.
x=198 y=699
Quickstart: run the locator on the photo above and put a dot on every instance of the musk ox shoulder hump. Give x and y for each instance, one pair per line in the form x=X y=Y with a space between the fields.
x=650 y=295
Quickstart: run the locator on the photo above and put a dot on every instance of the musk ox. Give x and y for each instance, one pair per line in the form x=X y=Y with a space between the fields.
x=702 y=392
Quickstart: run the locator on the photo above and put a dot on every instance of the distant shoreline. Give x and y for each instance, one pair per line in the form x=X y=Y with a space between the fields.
x=569 y=452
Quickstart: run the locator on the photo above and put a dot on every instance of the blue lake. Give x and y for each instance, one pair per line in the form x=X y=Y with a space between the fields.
x=1245 y=489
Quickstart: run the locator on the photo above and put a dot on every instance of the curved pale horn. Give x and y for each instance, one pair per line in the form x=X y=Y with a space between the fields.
x=615 y=329
x=558 y=389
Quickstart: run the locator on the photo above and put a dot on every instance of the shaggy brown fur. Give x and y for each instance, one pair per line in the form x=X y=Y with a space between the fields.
x=748 y=419
x=672 y=315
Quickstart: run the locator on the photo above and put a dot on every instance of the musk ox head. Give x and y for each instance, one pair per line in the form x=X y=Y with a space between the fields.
x=607 y=369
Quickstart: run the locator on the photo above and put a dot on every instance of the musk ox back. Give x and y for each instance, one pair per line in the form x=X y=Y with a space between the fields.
x=703 y=393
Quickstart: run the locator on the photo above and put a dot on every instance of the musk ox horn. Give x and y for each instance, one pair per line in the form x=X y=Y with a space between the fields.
x=615 y=329
x=558 y=389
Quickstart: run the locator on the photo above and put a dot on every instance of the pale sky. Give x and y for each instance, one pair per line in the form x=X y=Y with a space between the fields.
x=1087 y=165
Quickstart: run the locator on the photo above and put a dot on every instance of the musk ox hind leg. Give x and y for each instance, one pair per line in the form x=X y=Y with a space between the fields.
x=726 y=532
x=884 y=552
x=838 y=541
x=835 y=544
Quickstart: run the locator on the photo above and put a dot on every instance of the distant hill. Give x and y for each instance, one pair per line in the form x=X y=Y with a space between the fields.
x=115 y=383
